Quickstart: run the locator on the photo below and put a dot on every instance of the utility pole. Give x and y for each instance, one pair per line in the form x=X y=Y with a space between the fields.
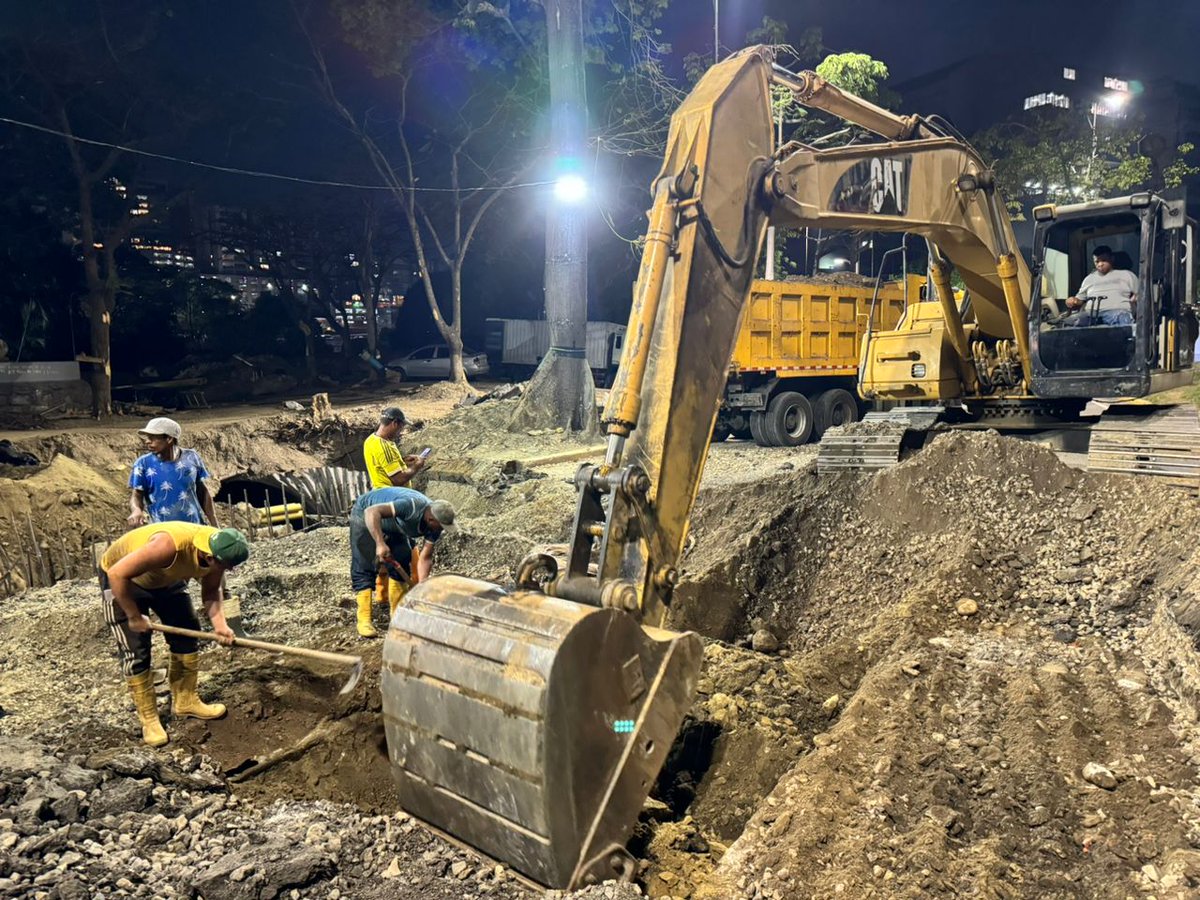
x=716 y=32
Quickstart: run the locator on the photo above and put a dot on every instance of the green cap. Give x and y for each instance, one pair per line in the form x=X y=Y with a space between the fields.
x=229 y=547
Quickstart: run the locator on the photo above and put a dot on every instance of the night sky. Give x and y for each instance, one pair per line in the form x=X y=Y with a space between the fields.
x=251 y=55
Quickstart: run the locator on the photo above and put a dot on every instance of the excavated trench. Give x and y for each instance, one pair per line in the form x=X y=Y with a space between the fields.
x=937 y=651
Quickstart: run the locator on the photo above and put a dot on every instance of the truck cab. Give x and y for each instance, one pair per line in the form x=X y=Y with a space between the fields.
x=1076 y=353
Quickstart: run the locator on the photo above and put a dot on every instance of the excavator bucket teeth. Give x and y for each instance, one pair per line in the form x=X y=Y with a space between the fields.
x=1162 y=442
x=529 y=727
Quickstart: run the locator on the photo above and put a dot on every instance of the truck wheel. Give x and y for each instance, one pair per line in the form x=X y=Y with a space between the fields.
x=833 y=408
x=758 y=429
x=789 y=420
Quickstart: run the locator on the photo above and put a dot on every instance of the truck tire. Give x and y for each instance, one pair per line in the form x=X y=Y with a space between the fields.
x=789 y=420
x=758 y=429
x=833 y=408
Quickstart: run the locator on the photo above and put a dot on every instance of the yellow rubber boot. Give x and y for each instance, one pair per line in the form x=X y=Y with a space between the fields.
x=396 y=592
x=141 y=688
x=365 y=628
x=181 y=675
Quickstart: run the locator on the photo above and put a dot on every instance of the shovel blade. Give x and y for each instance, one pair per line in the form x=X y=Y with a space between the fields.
x=529 y=727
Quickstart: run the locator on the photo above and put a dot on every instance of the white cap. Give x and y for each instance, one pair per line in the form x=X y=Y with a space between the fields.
x=164 y=426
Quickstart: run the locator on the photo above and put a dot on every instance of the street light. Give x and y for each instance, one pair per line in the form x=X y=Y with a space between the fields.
x=570 y=188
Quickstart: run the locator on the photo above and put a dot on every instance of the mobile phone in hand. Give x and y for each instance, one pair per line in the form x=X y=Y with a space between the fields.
x=425 y=453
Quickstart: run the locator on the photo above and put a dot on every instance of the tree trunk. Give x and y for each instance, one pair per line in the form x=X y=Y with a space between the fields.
x=99 y=310
x=561 y=392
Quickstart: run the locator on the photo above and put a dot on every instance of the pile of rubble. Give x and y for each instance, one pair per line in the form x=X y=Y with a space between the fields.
x=134 y=823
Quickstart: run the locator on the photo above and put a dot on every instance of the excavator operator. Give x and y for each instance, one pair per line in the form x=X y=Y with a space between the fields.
x=1110 y=293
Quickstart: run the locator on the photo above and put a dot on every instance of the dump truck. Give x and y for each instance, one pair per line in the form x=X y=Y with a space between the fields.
x=794 y=372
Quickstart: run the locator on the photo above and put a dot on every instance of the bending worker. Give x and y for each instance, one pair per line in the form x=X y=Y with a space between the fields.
x=147 y=569
x=385 y=524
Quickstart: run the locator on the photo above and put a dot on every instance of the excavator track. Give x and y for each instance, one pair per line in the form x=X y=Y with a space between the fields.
x=876 y=442
x=1161 y=442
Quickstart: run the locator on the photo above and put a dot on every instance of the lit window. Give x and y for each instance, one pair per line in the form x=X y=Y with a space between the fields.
x=1069 y=74
x=1062 y=101
x=1115 y=84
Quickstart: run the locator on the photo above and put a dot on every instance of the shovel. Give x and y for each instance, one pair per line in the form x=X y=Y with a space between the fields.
x=323 y=655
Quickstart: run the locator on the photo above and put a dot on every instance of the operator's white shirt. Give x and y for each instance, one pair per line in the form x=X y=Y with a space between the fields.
x=1114 y=290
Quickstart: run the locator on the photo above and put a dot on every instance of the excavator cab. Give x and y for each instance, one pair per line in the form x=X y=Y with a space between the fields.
x=1126 y=348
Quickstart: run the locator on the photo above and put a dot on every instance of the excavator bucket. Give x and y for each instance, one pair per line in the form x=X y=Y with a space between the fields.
x=530 y=727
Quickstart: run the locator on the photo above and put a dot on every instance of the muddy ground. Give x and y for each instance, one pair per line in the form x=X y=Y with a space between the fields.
x=974 y=674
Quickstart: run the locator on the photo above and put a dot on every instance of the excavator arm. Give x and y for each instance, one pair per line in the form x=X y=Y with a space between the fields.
x=531 y=722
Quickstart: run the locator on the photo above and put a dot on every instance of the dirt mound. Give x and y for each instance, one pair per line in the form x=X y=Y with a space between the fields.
x=50 y=518
x=961 y=642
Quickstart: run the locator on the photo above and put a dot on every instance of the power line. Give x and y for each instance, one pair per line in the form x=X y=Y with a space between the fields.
x=231 y=170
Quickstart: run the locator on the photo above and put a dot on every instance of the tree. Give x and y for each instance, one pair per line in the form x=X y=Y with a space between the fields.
x=1068 y=156
x=466 y=146
x=82 y=70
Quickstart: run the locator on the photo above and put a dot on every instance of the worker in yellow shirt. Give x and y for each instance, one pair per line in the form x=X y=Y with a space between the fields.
x=148 y=569
x=385 y=464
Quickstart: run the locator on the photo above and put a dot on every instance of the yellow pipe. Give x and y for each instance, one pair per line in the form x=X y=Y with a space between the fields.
x=625 y=400
x=939 y=274
x=1006 y=268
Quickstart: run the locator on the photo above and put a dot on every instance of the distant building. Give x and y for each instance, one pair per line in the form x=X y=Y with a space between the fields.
x=162 y=235
x=980 y=90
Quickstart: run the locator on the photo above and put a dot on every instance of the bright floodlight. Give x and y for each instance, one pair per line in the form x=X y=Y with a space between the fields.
x=570 y=189
x=1116 y=101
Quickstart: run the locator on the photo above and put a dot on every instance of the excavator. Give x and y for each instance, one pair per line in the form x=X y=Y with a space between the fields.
x=530 y=722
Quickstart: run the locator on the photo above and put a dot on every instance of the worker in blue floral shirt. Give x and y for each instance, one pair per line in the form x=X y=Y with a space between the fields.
x=168 y=482
x=168 y=486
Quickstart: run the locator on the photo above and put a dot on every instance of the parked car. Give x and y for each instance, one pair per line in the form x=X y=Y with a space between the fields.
x=433 y=361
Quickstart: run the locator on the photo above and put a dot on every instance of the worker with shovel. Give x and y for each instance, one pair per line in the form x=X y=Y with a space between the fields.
x=147 y=569
x=385 y=524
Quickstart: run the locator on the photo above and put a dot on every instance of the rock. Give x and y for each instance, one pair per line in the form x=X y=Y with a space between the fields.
x=121 y=795
x=1073 y=575
x=832 y=703
x=20 y=759
x=1099 y=776
x=1183 y=863
x=392 y=870
x=966 y=607
x=66 y=809
x=1065 y=634
x=277 y=865
x=656 y=810
x=1082 y=510
x=77 y=778
x=763 y=641
x=33 y=811
x=822 y=740
x=157 y=831
x=943 y=816
x=1037 y=817
x=459 y=869
x=73 y=889
x=130 y=762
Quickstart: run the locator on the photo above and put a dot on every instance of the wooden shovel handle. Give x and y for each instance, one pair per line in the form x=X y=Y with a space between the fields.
x=325 y=655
